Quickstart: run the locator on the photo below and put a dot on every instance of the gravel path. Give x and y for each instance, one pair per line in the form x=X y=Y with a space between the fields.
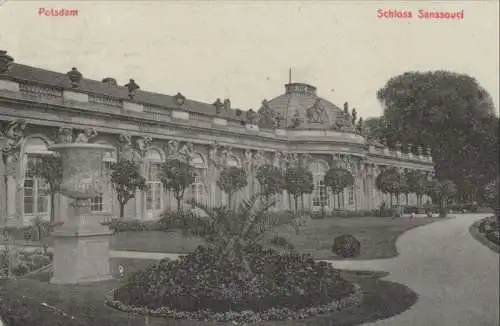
x=455 y=276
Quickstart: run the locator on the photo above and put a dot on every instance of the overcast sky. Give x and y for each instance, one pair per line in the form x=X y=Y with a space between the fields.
x=243 y=50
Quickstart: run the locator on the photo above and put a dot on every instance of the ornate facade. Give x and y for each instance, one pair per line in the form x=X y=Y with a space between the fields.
x=297 y=126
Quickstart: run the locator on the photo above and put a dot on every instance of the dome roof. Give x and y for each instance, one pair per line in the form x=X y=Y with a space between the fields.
x=301 y=108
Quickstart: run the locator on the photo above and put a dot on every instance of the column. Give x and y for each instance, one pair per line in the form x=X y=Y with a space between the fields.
x=3 y=186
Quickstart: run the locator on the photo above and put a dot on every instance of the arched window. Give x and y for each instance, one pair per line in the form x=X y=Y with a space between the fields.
x=154 y=192
x=104 y=202
x=198 y=188
x=320 y=193
x=36 y=201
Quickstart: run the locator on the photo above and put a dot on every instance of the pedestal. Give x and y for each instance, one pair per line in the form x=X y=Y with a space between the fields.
x=81 y=248
x=81 y=258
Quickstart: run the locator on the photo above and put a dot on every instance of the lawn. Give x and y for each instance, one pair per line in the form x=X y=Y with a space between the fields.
x=381 y=300
x=377 y=236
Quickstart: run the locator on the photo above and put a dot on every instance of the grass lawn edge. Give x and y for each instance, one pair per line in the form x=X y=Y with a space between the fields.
x=481 y=238
x=396 y=250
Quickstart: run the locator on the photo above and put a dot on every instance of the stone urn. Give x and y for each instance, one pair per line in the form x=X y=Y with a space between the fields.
x=81 y=244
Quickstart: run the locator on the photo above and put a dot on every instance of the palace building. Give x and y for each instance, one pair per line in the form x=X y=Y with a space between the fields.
x=296 y=126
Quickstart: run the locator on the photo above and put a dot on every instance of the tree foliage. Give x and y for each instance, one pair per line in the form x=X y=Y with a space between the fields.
x=298 y=181
x=490 y=197
x=391 y=182
x=176 y=176
x=416 y=183
x=231 y=180
x=449 y=112
x=440 y=192
x=271 y=179
x=337 y=179
x=50 y=169
x=126 y=180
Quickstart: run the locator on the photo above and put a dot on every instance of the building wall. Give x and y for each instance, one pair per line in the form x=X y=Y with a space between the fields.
x=211 y=139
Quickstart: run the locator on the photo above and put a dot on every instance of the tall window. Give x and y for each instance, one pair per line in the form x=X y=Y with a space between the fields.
x=104 y=202
x=154 y=192
x=320 y=193
x=198 y=188
x=351 y=195
x=36 y=201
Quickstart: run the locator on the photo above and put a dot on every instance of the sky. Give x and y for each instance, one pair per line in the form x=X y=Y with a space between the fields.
x=243 y=50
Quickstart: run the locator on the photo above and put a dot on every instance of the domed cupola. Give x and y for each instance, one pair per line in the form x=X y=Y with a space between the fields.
x=301 y=108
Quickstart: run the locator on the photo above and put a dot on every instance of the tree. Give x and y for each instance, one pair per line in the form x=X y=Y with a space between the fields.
x=50 y=169
x=337 y=179
x=440 y=192
x=375 y=128
x=231 y=180
x=489 y=196
x=416 y=181
x=405 y=188
x=298 y=181
x=270 y=179
x=176 y=176
x=452 y=114
x=390 y=181
x=126 y=180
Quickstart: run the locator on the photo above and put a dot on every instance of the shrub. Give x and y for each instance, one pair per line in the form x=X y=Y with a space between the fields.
x=118 y=225
x=408 y=209
x=195 y=284
x=490 y=228
x=346 y=246
x=182 y=220
x=282 y=217
x=25 y=261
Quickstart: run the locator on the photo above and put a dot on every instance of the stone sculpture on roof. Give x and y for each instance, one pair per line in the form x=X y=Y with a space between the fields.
x=316 y=113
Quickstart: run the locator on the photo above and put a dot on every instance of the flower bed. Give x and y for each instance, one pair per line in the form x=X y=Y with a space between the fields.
x=487 y=232
x=490 y=229
x=281 y=287
x=25 y=261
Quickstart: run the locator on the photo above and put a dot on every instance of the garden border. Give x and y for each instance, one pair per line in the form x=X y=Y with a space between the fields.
x=353 y=299
x=480 y=237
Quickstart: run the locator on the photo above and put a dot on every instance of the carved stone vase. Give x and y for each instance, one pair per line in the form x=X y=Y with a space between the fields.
x=81 y=244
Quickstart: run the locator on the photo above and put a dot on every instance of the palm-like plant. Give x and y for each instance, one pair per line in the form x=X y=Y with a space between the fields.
x=233 y=232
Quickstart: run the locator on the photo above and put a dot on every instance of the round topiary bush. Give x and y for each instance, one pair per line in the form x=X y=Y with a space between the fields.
x=346 y=246
x=201 y=286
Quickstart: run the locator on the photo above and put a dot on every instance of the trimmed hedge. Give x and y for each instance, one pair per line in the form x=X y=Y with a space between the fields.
x=346 y=246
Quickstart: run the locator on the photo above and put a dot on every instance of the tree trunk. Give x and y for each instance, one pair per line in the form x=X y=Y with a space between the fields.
x=178 y=203
x=230 y=199
x=296 y=200
x=52 y=207
x=406 y=198
x=390 y=200
x=122 y=209
x=302 y=201
x=338 y=200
